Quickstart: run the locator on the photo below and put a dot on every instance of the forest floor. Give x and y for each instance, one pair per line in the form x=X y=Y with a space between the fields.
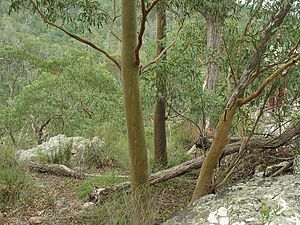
x=59 y=200
x=55 y=200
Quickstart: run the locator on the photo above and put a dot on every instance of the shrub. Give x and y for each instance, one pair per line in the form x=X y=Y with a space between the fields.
x=97 y=156
x=13 y=179
x=118 y=210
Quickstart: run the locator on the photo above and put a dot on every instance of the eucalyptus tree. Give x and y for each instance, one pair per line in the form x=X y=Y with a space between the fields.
x=215 y=13
x=255 y=69
x=160 y=139
x=70 y=17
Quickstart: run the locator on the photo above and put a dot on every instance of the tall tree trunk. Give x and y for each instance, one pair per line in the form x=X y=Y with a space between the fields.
x=205 y=178
x=214 y=27
x=160 y=143
x=204 y=182
x=133 y=111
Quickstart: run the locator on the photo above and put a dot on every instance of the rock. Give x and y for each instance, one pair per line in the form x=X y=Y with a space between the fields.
x=259 y=171
x=273 y=168
x=72 y=147
x=35 y=220
x=297 y=165
x=54 y=145
x=88 y=205
x=259 y=201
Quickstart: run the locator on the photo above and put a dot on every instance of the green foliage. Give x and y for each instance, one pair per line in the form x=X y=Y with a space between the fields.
x=8 y=157
x=117 y=211
x=179 y=141
x=116 y=143
x=104 y=180
x=75 y=100
x=13 y=179
x=78 y=13
x=12 y=183
x=97 y=156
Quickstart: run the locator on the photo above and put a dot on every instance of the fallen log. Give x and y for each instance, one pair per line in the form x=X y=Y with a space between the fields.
x=282 y=169
x=57 y=169
x=62 y=170
x=256 y=143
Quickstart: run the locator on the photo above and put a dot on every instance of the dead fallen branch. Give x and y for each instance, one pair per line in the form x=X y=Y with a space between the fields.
x=62 y=170
x=57 y=169
x=255 y=143
x=282 y=169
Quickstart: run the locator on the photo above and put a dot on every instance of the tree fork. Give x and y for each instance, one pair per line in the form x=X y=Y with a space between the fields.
x=134 y=116
x=206 y=174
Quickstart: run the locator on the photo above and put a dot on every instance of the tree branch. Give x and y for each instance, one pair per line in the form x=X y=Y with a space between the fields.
x=152 y=5
x=113 y=22
x=161 y=54
x=154 y=178
x=268 y=80
x=256 y=57
x=141 y=33
x=145 y=12
x=76 y=37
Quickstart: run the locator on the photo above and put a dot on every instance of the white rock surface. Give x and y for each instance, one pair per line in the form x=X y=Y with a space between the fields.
x=259 y=201
x=60 y=143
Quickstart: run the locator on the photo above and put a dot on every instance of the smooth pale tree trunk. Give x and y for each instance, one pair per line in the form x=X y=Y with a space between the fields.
x=204 y=182
x=160 y=139
x=133 y=111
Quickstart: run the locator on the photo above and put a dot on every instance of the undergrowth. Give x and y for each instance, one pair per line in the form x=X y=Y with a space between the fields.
x=108 y=179
x=14 y=181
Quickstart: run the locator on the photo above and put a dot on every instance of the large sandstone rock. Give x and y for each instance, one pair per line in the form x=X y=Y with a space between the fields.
x=268 y=201
x=59 y=145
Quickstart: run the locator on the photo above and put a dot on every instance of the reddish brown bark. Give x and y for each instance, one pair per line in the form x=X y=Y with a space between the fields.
x=160 y=143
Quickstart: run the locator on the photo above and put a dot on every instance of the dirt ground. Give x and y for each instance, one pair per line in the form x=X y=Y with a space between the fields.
x=54 y=199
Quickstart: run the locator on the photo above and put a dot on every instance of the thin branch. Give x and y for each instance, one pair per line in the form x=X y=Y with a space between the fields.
x=268 y=80
x=184 y=117
x=231 y=71
x=76 y=37
x=145 y=12
x=254 y=61
x=113 y=22
x=152 y=5
x=282 y=169
x=161 y=54
x=257 y=9
x=112 y=31
x=294 y=48
x=141 y=33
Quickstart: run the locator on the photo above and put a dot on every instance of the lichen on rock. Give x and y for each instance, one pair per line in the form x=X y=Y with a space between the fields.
x=267 y=201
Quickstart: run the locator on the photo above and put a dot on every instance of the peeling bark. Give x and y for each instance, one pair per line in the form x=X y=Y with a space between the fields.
x=214 y=27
